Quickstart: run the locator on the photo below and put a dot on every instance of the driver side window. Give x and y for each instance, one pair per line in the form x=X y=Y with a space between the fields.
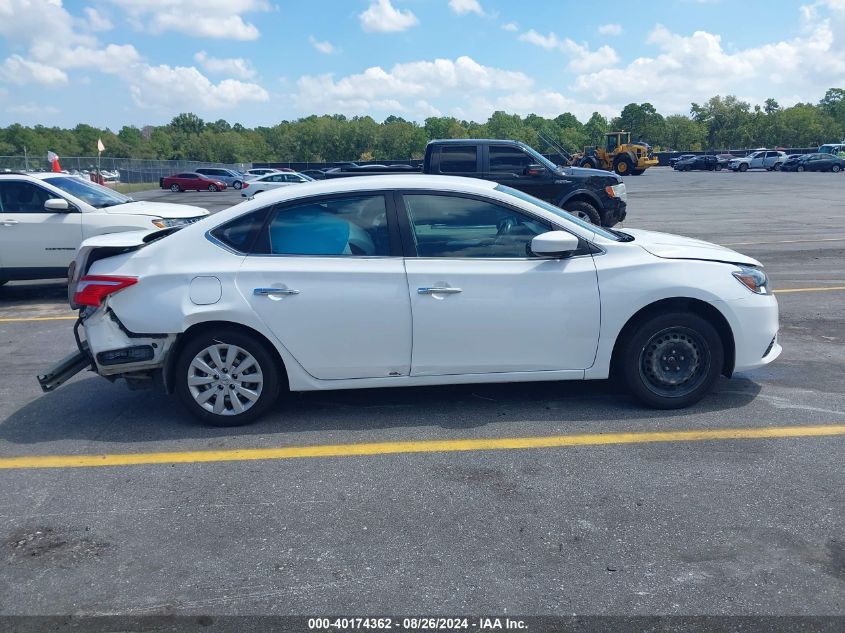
x=23 y=197
x=453 y=226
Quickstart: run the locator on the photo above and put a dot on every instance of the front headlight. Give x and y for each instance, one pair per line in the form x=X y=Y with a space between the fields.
x=617 y=191
x=165 y=223
x=753 y=278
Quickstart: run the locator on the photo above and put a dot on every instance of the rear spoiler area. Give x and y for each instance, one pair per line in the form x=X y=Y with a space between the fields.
x=103 y=246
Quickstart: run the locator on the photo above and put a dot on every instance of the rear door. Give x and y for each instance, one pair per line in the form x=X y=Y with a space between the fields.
x=481 y=302
x=30 y=236
x=327 y=277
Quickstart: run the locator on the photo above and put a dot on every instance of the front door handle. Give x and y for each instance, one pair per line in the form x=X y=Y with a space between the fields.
x=9 y=222
x=438 y=290
x=266 y=292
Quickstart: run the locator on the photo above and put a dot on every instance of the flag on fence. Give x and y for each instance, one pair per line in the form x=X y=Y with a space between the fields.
x=53 y=159
x=100 y=146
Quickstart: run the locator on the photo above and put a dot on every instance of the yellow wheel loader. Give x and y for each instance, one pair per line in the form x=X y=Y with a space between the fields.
x=619 y=154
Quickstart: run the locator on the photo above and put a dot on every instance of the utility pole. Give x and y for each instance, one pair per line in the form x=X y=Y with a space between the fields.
x=25 y=158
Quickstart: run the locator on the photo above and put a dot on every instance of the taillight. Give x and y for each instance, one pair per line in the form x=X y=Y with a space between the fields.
x=92 y=289
x=245 y=185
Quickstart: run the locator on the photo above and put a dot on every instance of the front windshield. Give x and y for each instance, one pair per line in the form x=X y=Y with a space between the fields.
x=539 y=157
x=559 y=212
x=96 y=195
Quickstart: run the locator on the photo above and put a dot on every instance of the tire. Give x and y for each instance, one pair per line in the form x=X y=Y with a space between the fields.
x=587 y=163
x=835 y=169
x=238 y=185
x=174 y=187
x=777 y=166
x=718 y=168
x=743 y=167
x=583 y=210
x=799 y=168
x=255 y=394
x=690 y=348
x=688 y=168
x=212 y=187
x=623 y=166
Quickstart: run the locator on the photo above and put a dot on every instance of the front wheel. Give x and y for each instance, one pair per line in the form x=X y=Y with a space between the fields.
x=671 y=361
x=212 y=187
x=718 y=168
x=777 y=167
x=743 y=167
x=226 y=378
x=584 y=211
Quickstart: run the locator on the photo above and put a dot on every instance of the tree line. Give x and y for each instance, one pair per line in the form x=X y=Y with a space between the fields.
x=720 y=123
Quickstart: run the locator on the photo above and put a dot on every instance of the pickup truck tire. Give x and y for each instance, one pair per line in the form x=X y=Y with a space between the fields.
x=583 y=211
x=260 y=377
x=743 y=167
x=671 y=361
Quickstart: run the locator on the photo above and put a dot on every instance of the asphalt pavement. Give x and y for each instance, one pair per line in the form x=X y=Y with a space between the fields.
x=688 y=524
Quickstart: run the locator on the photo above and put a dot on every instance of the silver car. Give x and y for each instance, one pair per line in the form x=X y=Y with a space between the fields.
x=231 y=177
x=763 y=159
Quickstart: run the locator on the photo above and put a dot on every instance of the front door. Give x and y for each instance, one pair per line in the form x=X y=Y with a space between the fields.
x=32 y=237
x=329 y=281
x=508 y=165
x=482 y=303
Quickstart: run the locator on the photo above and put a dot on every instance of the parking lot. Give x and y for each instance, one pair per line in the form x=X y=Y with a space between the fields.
x=615 y=509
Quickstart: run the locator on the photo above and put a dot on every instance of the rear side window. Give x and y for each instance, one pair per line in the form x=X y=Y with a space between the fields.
x=240 y=234
x=508 y=159
x=350 y=226
x=458 y=159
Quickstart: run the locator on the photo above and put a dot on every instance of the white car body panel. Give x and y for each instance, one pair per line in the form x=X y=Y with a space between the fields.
x=359 y=322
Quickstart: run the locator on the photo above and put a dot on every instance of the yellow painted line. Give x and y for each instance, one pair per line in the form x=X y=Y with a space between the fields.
x=821 y=239
x=36 y=318
x=821 y=289
x=422 y=446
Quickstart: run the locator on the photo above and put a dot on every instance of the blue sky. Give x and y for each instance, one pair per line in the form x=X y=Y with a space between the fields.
x=116 y=62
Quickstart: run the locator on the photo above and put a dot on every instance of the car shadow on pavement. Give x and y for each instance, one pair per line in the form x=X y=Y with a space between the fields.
x=95 y=410
x=24 y=292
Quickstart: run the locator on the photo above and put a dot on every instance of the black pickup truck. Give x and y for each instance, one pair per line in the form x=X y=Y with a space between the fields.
x=594 y=195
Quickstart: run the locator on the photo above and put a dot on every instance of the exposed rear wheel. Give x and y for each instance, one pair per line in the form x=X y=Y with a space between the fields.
x=671 y=361
x=623 y=166
x=584 y=211
x=226 y=378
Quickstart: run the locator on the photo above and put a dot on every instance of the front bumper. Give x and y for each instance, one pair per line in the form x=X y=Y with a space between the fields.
x=613 y=211
x=755 y=324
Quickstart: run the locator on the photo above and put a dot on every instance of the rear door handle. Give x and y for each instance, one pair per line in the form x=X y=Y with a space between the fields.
x=439 y=290
x=266 y=292
x=9 y=222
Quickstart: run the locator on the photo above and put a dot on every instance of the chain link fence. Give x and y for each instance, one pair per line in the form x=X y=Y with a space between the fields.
x=125 y=170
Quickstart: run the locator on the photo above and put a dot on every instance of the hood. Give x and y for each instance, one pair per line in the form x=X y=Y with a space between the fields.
x=669 y=246
x=158 y=209
x=585 y=172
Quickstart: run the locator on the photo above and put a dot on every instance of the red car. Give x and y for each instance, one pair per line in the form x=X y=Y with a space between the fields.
x=191 y=181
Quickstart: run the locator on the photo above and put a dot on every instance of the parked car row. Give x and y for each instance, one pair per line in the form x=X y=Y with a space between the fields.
x=770 y=160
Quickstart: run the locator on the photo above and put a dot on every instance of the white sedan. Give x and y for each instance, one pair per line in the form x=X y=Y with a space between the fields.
x=397 y=281
x=275 y=181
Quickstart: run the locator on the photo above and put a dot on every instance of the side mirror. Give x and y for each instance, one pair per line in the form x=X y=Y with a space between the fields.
x=56 y=205
x=534 y=170
x=554 y=244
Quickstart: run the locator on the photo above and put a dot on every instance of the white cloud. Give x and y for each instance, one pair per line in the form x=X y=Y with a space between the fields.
x=326 y=48
x=462 y=7
x=17 y=70
x=382 y=17
x=610 y=29
x=216 y=19
x=408 y=88
x=695 y=67
x=96 y=20
x=32 y=109
x=581 y=58
x=236 y=66
x=178 y=88
x=510 y=26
